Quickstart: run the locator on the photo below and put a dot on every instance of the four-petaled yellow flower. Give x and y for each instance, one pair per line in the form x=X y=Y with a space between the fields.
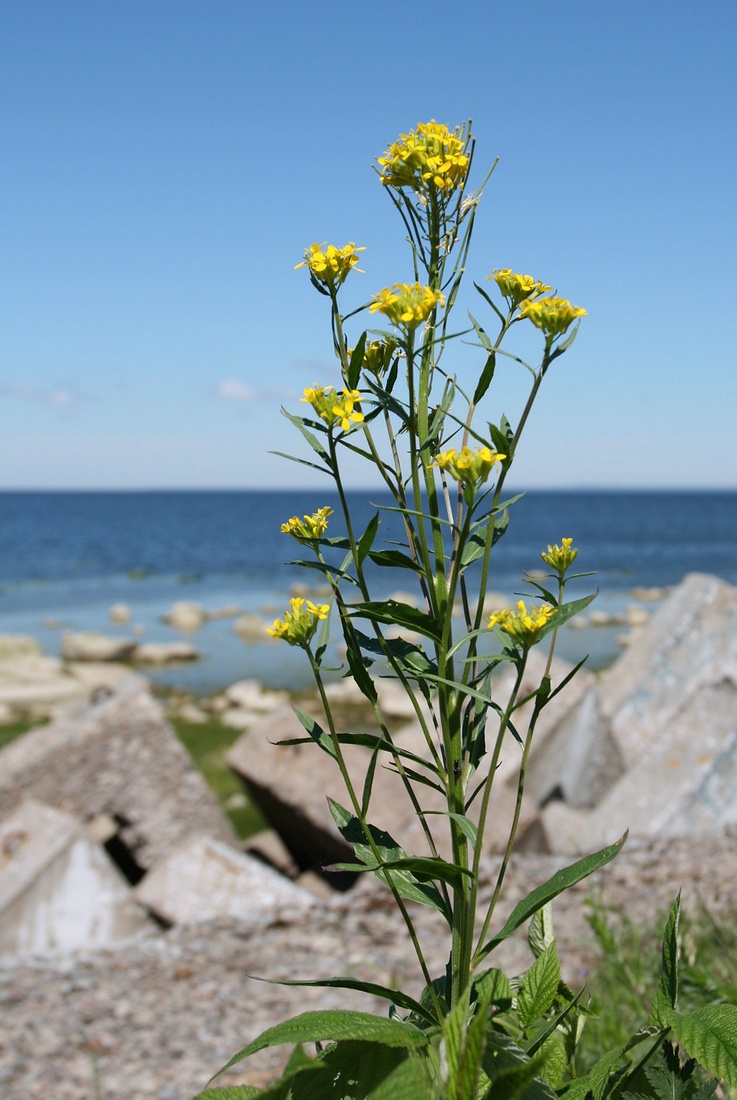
x=299 y=623
x=432 y=157
x=407 y=304
x=310 y=527
x=333 y=408
x=560 y=558
x=523 y=625
x=517 y=287
x=552 y=315
x=330 y=265
x=470 y=467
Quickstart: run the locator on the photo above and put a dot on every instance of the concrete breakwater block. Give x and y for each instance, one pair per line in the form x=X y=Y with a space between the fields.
x=58 y=889
x=119 y=757
x=206 y=879
x=653 y=744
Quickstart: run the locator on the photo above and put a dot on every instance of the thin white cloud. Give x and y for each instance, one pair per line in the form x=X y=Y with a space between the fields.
x=60 y=399
x=232 y=389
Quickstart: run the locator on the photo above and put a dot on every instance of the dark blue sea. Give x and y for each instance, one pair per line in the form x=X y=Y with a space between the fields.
x=66 y=557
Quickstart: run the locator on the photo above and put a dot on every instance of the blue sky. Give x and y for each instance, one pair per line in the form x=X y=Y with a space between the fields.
x=165 y=162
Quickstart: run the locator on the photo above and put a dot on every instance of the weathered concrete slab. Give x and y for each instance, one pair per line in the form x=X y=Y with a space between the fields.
x=116 y=756
x=206 y=879
x=684 y=782
x=58 y=890
x=688 y=648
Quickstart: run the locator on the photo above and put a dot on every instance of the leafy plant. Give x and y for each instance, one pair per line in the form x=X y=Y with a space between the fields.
x=473 y=1032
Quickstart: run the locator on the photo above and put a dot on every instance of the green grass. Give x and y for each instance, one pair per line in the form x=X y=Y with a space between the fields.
x=623 y=984
x=19 y=726
x=207 y=744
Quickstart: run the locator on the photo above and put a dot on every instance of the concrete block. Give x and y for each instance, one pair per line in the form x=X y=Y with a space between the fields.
x=58 y=890
x=206 y=879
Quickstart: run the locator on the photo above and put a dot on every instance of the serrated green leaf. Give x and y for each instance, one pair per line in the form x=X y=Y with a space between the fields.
x=493 y=986
x=539 y=986
x=710 y=1036
x=354 y=1069
x=560 y=881
x=409 y=1081
x=540 y=933
x=512 y=1072
x=669 y=956
x=336 y=1026
x=600 y=1073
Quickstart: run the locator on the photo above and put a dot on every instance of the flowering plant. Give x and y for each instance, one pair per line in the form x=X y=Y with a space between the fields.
x=471 y=1032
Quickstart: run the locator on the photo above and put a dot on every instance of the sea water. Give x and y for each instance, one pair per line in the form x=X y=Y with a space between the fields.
x=66 y=557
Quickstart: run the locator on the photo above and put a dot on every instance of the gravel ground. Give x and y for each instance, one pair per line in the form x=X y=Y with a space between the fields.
x=154 y=1018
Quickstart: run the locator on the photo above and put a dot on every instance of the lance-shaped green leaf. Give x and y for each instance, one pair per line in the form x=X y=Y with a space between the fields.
x=388 y=852
x=392 y=611
x=408 y=655
x=394 y=996
x=316 y=732
x=485 y=378
x=555 y=885
x=336 y=1025
x=356 y=362
x=476 y=544
x=366 y=540
x=565 y=612
x=394 y=559
x=312 y=439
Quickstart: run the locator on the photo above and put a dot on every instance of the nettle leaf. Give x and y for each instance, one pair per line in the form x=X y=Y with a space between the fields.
x=336 y=1026
x=493 y=987
x=669 y=964
x=560 y=881
x=513 y=1073
x=409 y=1081
x=355 y=1069
x=540 y=933
x=539 y=986
x=599 y=1074
x=710 y=1036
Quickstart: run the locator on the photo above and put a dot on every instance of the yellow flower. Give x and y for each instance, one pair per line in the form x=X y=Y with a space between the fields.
x=524 y=625
x=560 y=558
x=310 y=527
x=330 y=265
x=517 y=287
x=407 y=304
x=432 y=157
x=552 y=315
x=470 y=467
x=334 y=409
x=299 y=623
x=378 y=355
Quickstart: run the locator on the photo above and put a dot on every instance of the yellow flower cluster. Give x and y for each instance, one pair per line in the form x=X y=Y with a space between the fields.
x=378 y=355
x=524 y=625
x=432 y=156
x=330 y=265
x=552 y=315
x=310 y=527
x=335 y=409
x=560 y=558
x=407 y=304
x=299 y=623
x=470 y=467
x=517 y=287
